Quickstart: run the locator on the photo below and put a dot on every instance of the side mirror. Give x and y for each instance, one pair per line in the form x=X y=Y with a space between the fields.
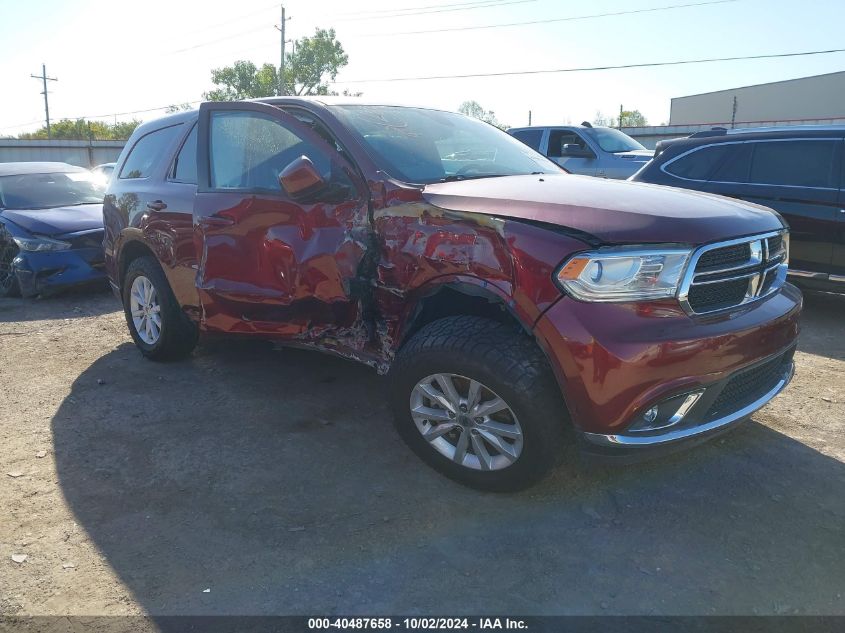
x=576 y=151
x=300 y=179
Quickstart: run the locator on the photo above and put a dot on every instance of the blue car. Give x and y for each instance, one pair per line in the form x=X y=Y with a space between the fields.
x=51 y=228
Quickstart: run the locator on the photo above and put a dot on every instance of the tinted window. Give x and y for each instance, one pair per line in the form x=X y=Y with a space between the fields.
x=795 y=163
x=559 y=138
x=736 y=166
x=147 y=152
x=249 y=150
x=532 y=138
x=699 y=164
x=185 y=169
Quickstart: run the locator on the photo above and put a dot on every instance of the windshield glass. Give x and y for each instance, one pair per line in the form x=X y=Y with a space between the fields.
x=42 y=191
x=427 y=146
x=614 y=141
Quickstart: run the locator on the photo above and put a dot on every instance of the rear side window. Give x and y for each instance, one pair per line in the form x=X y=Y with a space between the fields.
x=147 y=152
x=737 y=164
x=795 y=163
x=185 y=169
x=559 y=138
x=698 y=164
x=532 y=138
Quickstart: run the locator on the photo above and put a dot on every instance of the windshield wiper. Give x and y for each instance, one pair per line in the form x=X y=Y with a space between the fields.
x=457 y=177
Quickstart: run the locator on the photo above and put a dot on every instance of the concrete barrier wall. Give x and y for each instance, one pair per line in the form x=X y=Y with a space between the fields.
x=82 y=153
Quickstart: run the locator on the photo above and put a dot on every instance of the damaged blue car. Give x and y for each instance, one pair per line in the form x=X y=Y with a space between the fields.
x=51 y=228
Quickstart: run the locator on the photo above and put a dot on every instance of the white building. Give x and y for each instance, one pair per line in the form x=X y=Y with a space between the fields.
x=817 y=99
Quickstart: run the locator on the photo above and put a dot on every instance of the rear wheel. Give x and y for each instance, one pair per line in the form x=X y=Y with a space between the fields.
x=8 y=282
x=476 y=400
x=156 y=322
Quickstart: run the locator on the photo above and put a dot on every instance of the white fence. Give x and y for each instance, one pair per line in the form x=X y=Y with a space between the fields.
x=81 y=153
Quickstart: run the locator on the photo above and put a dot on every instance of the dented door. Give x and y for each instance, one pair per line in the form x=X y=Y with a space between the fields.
x=269 y=264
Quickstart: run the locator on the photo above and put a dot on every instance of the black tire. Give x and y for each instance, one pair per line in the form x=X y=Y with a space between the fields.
x=8 y=282
x=178 y=334
x=507 y=362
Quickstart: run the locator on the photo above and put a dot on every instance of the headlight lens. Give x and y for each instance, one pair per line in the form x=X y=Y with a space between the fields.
x=40 y=244
x=624 y=274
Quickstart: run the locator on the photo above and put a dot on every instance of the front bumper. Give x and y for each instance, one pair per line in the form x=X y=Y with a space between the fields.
x=616 y=361
x=40 y=273
x=713 y=413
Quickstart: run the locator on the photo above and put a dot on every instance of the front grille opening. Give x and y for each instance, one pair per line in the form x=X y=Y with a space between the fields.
x=750 y=385
x=725 y=257
x=775 y=244
x=709 y=297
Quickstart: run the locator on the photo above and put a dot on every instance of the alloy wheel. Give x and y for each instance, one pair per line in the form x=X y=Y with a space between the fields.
x=466 y=421
x=145 y=309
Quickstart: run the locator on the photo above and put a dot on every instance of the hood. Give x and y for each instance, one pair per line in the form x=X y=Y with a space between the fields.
x=57 y=220
x=614 y=211
x=639 y=155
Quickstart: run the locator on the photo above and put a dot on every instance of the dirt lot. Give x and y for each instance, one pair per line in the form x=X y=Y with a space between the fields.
x=253 y=481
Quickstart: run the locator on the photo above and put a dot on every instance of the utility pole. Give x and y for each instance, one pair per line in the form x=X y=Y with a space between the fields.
x=281 y=29
x=733 y=114
x=620 y=116
x=44 y=79
x=529 y=118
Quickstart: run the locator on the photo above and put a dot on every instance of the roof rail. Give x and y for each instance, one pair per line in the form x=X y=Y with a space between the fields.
x=716 y=131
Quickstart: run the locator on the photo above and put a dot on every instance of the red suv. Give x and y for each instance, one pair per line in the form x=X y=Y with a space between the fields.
x=505 y=300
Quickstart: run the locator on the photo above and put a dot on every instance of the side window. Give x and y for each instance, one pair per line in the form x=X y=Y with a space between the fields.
x=532 y=138
x=794 y=163
x=248 y=150
x=698 y=164
x=559 y=138
x=185 y=166
x=736 y=166
x=147 y=152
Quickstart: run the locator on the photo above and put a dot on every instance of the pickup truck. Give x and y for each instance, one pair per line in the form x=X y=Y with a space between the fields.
x=511 y=306
x=588 y=150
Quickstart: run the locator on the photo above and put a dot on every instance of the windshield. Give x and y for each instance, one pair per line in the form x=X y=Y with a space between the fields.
x=42 y=191
x=614 y=141
x=427 y=146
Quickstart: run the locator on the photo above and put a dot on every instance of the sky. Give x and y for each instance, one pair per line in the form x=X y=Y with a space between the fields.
x=113 y=57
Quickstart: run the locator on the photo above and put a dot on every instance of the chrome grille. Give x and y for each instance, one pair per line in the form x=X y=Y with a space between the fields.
x=729 y=274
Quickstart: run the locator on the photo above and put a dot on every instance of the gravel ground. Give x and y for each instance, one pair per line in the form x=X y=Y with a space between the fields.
x=247 y=480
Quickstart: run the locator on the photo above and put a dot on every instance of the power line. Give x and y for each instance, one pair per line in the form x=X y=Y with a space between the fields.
x=550 y=20
x=420 y=8
x=487 y=4
x=593 y=68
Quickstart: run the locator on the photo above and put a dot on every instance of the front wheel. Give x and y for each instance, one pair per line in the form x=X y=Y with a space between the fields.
x=8 y=283
x=156 y=322
x=477 y=401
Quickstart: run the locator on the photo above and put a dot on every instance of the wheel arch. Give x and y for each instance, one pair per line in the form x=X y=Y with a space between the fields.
x=129 y=252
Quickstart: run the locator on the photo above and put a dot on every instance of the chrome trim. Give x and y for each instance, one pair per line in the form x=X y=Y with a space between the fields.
x=683 y=434
x=807 y=274
x=837 y=278
x=759 y=245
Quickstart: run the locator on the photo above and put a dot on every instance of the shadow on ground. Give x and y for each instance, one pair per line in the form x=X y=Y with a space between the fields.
x=275 y=480
x=823 y=325
x=71 y=304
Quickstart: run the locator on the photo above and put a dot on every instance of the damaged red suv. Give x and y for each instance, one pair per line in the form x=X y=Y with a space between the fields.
x=507 y=302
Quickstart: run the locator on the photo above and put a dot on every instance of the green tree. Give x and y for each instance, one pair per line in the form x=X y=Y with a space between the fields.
x=632 y=118
x=315 y=61
x=474 y=109
x=243 y=80
x=181 y=107
x=84 y=130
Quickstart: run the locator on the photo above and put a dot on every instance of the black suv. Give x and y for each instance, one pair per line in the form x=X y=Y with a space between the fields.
x=798 y=171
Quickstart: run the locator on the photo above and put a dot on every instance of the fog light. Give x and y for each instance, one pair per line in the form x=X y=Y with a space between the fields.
x=668 y=413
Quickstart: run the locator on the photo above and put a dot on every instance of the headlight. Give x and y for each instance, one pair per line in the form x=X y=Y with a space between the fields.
x=624 y=274
x=40 y=244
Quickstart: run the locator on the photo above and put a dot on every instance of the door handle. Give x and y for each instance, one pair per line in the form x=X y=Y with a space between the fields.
x=156 y=205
